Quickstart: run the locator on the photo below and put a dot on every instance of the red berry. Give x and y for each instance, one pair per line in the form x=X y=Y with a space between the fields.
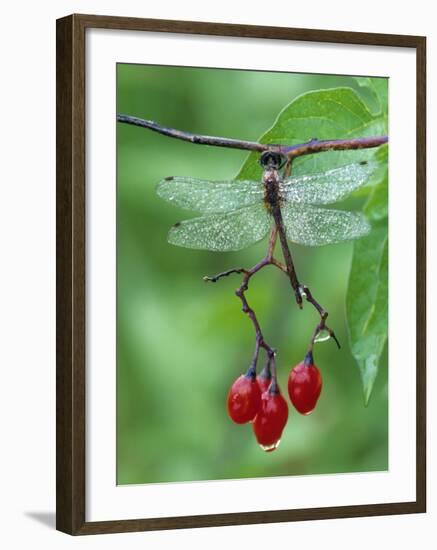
x=305 y=385
x=271 y=419
x=244 y=398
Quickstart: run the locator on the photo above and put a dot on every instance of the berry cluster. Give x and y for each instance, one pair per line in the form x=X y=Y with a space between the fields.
x=258 y=399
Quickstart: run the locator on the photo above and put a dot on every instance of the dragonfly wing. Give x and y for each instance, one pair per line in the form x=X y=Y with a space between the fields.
x=210 y=196
x=223 y=231
x=327 y=187
x=313 y=226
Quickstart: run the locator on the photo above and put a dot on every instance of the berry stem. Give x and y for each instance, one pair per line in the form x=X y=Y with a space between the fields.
x=215 y=278
x=274 y=382
x=267 y=371
x=241 y=294
x=309 y=359
x=306 y=293
x=251 y=372
x=255 y=354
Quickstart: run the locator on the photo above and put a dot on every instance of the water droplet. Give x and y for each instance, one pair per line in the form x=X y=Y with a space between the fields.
x=270 y=448
x=322 y=336
x=302 y=292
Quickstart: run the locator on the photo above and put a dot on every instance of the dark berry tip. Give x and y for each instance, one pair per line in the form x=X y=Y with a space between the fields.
x=309 y=359
x=251 y=373
x=266 y=372
x=274 y=387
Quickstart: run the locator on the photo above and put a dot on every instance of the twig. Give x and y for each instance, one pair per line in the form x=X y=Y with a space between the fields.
x=240 y=293
x=313 y=146
x=318 y=146
x=306 y=293
x=215 y=278
x=193 y=138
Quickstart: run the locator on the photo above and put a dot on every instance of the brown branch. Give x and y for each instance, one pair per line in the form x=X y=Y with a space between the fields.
x=193 y=138
x=316 y=146
x=313 y=146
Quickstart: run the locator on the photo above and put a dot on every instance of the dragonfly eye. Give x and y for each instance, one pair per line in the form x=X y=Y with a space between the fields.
x=273 y=160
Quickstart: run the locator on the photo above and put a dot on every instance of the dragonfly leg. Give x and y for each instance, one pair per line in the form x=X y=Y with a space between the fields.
x=272 y=242
x=287 y=167
x=291 y=271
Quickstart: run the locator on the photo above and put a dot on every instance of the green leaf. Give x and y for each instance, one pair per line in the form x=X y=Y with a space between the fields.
x=378 y=88
x=337 y=113
x=377 y=205
x=367 y=304
x=367 y=296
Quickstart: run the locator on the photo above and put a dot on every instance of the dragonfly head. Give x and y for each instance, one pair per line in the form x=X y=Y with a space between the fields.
x=272 y=160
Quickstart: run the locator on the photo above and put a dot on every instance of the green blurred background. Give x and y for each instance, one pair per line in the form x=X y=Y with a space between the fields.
x=182 y=342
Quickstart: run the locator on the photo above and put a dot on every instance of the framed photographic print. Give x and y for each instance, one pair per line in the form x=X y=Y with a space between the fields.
x=240 y=274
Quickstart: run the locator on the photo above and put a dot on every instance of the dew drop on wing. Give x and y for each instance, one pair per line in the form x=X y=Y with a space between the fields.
x=311 y=226
x=223 y=231
x=206 y=196
x=327 y=187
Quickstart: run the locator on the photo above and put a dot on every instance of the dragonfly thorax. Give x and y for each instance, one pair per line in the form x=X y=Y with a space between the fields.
x=271 y=188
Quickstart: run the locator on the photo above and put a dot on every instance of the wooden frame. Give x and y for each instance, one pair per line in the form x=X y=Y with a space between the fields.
x=70 y=206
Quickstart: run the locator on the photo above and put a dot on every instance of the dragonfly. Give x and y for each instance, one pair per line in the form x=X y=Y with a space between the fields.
x=238 y=213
